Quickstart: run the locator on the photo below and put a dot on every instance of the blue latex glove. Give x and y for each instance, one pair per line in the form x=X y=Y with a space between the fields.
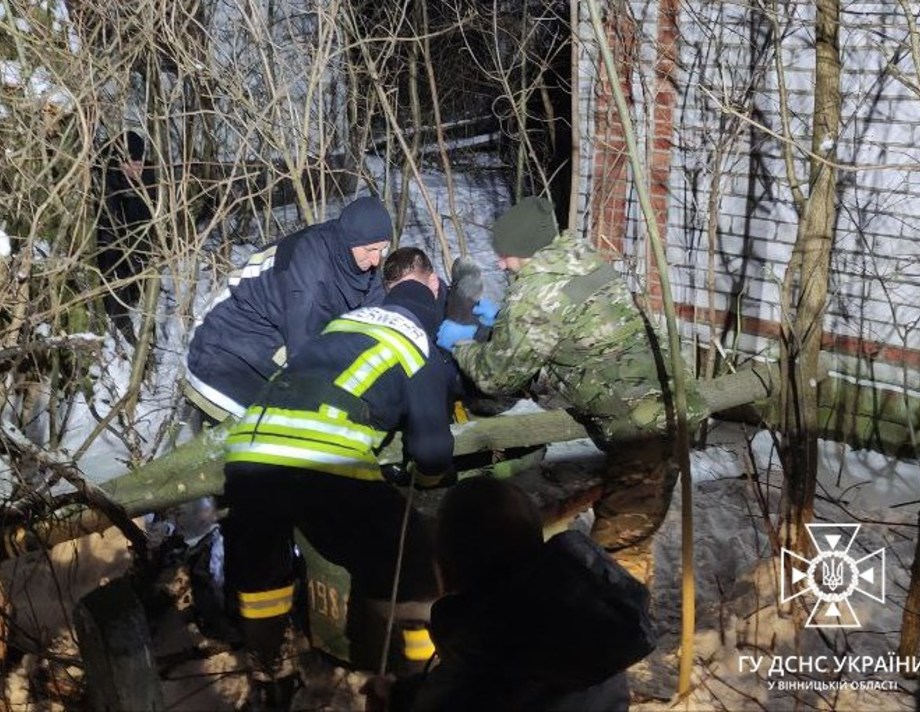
x=450 y=332
x=486 y=311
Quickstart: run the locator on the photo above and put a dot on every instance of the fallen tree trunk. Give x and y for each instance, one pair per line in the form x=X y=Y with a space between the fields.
x=195 y=469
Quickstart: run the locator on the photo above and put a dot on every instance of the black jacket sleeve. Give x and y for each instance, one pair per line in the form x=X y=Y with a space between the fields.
x=302 y=277
x=427 y=439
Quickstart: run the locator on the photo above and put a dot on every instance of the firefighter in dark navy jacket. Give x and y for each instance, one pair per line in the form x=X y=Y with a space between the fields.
x=282 y=297
x=305 y=455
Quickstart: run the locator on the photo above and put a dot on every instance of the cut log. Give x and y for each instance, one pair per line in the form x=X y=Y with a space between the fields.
x=117 y=652
x=195 y=469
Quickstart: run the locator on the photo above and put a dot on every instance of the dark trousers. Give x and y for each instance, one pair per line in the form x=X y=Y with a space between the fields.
x=352 y=523
x=120 y=262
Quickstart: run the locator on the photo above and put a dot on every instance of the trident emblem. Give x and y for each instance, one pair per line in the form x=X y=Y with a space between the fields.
x=832 y=574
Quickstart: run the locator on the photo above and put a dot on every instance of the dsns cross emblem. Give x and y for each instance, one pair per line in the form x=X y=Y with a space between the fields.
x=833 y=576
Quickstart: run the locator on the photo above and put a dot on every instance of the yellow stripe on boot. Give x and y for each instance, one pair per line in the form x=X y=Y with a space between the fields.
x=417 y=645
x=266 y=604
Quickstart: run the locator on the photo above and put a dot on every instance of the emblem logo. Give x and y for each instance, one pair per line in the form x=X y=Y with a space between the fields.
x=833 y=575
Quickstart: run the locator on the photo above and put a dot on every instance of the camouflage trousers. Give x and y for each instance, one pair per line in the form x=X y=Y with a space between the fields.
x=639 y=482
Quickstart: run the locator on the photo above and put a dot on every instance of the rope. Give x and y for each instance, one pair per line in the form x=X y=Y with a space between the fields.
x=391 y=617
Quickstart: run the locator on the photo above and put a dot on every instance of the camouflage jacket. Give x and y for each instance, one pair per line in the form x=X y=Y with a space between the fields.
x=570 y=316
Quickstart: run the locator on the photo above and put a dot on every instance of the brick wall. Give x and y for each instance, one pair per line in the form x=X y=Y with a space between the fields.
x=708 y=117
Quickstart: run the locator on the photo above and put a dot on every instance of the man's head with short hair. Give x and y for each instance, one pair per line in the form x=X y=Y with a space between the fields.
x=487 y=529
x=409 y=263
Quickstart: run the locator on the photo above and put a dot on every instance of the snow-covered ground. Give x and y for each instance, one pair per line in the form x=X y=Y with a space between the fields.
x=749 y=654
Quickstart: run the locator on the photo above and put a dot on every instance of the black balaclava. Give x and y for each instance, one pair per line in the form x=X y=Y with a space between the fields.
x=362 y=222
x=418 y=299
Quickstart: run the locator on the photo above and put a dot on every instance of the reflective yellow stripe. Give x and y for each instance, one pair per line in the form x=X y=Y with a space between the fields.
x=332 y=412
x=393 y=320
x=407 y=353
x=306 y=439
x=417 y=645
x=323 y=449
x=309 y=425
x=366 y=369
x=344 y=462
x=266 y=604
x=264 y=596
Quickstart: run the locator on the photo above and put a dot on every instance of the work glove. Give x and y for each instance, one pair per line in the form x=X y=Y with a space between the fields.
x=396 y=475
x=400 y=476
x=450 y=332
x=465 y=290
x=486 y=311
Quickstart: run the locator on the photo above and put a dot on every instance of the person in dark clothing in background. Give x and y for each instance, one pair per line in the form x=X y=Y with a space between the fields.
x=305 y=455
x=124 y=228
x=526 y=625
x=281 y=298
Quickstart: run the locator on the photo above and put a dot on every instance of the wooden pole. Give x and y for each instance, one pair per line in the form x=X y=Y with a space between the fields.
x=682 y=449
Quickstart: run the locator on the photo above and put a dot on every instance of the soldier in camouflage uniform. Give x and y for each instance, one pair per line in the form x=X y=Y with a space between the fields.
x=570 y=320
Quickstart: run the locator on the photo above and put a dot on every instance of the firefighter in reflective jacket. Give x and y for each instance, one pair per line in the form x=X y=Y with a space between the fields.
x=304 y=455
